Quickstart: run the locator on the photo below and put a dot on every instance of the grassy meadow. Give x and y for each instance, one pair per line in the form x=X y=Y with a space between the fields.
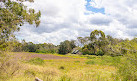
x=73 y=68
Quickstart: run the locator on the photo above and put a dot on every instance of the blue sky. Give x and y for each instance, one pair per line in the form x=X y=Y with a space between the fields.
x=93 y=9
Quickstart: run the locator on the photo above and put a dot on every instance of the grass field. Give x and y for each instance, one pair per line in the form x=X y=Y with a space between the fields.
x=49 y=67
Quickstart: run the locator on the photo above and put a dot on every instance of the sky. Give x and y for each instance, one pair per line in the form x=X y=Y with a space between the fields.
x=68 y=19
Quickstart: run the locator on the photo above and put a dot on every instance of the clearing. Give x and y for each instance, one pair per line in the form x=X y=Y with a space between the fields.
x=55 y=67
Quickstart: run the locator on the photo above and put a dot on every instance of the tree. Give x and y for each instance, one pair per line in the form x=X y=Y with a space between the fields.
x=98 y=40
x=66 y=47
x=13 y=14
x=83 y=41
x=72 y=44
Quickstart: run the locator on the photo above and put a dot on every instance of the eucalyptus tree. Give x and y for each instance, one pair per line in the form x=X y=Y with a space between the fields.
x=83 y=41
x=98 y=40
x=13 y=14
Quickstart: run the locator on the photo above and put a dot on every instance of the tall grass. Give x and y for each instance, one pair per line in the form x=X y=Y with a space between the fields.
x=37 y=61
x=89 y=68
x=104 y=60
x=127 y=70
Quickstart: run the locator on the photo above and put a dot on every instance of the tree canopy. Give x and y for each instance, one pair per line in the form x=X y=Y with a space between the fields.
x=13 y=14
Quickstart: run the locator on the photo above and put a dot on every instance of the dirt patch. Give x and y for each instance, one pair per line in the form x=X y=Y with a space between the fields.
x=34 y=55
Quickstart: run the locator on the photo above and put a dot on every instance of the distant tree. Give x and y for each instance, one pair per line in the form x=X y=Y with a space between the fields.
x=47 y=48
x=66 y=47
x=72 y=44
x=98 y=40
x=83 y=41
x=80 y=41
x=32 y=47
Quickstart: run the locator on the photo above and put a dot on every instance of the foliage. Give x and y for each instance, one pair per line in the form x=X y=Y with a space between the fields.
x=128 y=68
x=13 y=14
x=81 y=41
x=47 y=48
x=31 y=47
x=96 y=44
x=99 y=44
x=100 y=52
x=66 y=47
x=98 y=40
x=87 y=49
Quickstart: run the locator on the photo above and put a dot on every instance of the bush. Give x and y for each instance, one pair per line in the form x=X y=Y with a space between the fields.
x=100 y=53
x=61 y=67
x=52 y=51
x=85 y=51
x=37 y=61
x=127 y=70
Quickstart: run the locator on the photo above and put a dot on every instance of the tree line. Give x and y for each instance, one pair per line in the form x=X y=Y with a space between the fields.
x=96 y=44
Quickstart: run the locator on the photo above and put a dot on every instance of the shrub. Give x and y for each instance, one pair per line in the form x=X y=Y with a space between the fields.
x=61 y=67
x=100 y=53
x=37 y=61
x=85 y=51
x=90 y=62
x=128 y=68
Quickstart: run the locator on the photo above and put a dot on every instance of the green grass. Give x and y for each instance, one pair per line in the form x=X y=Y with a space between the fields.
x=36 y=61
x=104 y=60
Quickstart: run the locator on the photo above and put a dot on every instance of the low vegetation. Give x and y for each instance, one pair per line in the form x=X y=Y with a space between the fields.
x=74 y=68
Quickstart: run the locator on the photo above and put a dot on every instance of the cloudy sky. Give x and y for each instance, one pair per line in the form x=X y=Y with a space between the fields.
x=68 y=19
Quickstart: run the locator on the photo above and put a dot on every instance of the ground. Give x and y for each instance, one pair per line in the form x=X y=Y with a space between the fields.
x=34 y=55
x=55 y=67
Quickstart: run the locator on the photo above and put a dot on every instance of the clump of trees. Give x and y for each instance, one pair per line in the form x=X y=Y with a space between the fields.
x=66 y=47
x=97 y=43
x=100 y=44
x=31 y=47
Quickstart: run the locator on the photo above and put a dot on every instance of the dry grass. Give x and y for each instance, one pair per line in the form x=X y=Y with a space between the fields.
x=72 y=69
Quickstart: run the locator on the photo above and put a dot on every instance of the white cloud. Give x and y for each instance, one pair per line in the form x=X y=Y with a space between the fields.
x=66 y=19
